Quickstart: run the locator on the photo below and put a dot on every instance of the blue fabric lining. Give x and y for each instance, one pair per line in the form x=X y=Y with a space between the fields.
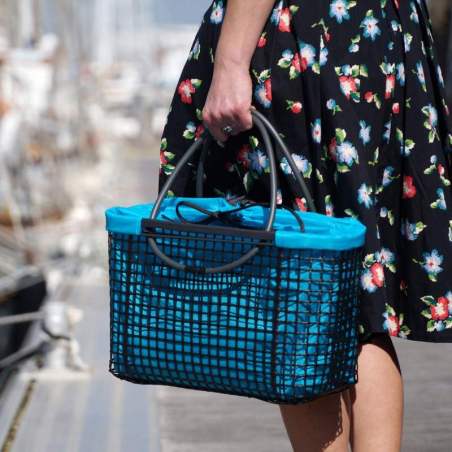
x=322 y=232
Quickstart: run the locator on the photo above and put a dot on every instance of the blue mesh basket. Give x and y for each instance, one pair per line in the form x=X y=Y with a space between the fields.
x=235 y=298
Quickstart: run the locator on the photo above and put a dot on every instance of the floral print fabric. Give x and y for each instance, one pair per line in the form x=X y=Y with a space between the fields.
x=356 y=92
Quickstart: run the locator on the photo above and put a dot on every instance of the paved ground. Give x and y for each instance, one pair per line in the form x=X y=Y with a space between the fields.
x=192 y=422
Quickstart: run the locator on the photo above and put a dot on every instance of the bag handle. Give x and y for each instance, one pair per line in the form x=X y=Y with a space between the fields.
x=223 y=215
x=262 y=126
x=282 y=146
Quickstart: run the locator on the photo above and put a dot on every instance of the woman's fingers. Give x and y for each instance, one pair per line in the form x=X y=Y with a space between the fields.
x=237 y=120
x=228 y=103
x=244 y=119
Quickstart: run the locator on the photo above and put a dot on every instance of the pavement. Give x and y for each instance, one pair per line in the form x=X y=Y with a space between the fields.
x=102 y=413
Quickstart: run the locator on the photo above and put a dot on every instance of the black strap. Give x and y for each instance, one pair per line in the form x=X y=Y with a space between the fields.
x=225 y=215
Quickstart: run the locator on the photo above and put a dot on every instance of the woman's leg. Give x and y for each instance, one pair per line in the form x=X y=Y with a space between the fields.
x=320 y=425
x=377 y=398
x=370 y=413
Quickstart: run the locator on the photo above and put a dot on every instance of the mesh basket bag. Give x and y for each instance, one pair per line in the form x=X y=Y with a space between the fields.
x=232 y=297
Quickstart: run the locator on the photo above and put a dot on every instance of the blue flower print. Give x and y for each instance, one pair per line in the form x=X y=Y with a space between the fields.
x=365 y=195
x=339 y=9
x=316 y=128
x=276 y=13
x=217 y=14
x=407 y=40
x=414 y=16
x=302 y=163
x=387 y=132
x=421 y=75
x=432 y=264
x=412 y=230
x=440 y=75
x=258 y=160
x=440 y=203
x=323 y=56
x=364 y=132
x=369 y=25
x=347 y=153
x=332 y=105
x=307 y=54
x=400 y=71
x=367 y=281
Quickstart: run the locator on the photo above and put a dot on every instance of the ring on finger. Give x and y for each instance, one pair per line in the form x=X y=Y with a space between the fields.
x=227 y=130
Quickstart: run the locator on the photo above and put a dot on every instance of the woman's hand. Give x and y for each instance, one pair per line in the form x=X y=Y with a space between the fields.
x=228 y=101
x=229 y=98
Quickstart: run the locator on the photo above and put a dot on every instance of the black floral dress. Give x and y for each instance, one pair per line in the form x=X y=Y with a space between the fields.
x=355 y=90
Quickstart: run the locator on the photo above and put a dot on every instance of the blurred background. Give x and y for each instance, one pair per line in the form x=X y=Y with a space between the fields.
x=85 y=87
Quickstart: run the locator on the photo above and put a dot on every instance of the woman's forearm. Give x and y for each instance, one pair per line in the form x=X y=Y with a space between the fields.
x=242 y=26
x=228 y=102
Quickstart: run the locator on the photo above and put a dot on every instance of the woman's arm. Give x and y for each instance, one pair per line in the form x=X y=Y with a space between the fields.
x=228 y=102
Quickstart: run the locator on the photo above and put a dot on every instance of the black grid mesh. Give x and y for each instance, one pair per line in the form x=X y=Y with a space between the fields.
x=280 y=328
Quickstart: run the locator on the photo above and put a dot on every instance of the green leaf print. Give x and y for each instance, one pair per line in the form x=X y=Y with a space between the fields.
x=369 y=260
x=248 y=181
x=351 y=213
x=188 y=135
x=389 y=309
x=319 y=176
x=392 y=268
x=363 y=70
x=254 y=142
x=376 y=157
x=284 y=63
x=341 y=135
x=391 y=217
x=431 y=326
x=293 y=73
x=409 y=144
x=426 y=313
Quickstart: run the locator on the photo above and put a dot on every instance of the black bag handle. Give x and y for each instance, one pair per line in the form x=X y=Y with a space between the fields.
x=282 y=146
x=223 y=215
x=262 y=126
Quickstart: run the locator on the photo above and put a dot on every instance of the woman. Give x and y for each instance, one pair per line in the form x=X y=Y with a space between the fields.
x=356 y=91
